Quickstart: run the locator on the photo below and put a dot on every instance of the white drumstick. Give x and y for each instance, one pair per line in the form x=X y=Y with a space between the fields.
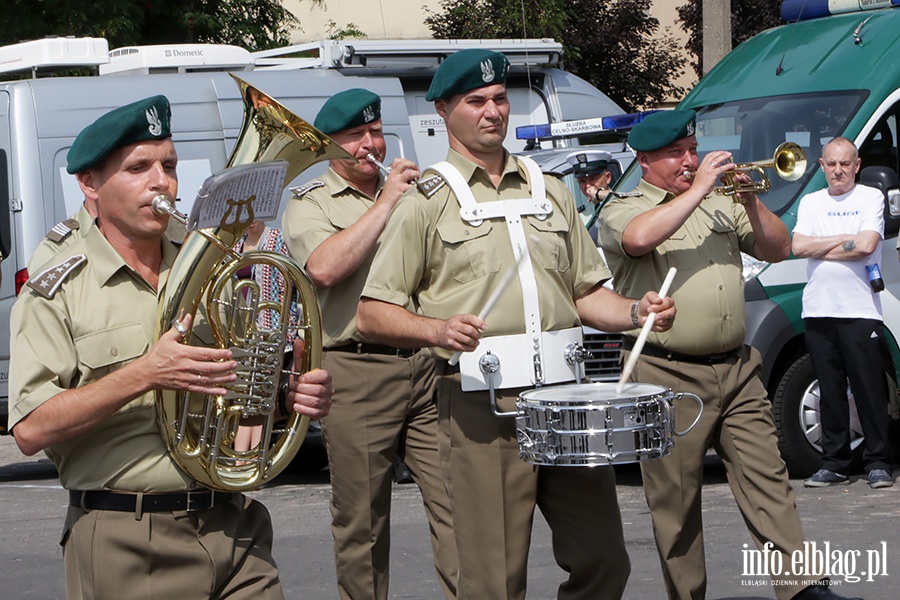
x=645 y=331
x=492 y=300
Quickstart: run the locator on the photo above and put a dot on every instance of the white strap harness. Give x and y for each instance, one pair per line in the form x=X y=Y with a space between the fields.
x=532 y=346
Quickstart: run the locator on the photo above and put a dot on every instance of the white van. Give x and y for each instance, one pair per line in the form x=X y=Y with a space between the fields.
x=40 y=117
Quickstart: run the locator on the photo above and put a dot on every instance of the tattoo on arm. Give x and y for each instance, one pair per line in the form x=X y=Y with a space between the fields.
x=849 y=246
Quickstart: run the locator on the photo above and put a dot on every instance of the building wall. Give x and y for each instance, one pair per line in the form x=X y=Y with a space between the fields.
x=405 y=19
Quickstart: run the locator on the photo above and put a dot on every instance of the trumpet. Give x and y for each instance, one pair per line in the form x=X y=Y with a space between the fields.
x=385 y=170
x=789 y=162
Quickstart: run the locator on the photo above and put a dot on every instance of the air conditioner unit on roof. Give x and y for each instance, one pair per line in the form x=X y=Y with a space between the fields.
x=177 y=58
x=54 y=53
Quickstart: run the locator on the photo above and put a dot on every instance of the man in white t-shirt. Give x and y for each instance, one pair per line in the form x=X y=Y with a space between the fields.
x=840 y=230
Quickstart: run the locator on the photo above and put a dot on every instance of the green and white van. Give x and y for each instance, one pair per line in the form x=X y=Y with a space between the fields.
x=806 y=82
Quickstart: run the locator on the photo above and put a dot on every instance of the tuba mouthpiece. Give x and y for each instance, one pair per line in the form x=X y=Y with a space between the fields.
x=163 y=205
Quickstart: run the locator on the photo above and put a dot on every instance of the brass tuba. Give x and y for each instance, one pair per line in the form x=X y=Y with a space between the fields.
x=200 y=430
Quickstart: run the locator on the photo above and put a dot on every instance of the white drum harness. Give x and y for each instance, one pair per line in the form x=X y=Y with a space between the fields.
x=555 y=356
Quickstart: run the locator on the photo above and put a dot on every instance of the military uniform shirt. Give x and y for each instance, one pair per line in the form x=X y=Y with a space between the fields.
x=102 y=318
x=448 y=266
x=309 y=221
x=708 y=289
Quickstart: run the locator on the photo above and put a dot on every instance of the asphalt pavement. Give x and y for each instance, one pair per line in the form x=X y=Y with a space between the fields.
x=855 y=527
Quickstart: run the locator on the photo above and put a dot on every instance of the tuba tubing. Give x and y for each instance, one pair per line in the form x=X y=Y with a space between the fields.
x=199 y=430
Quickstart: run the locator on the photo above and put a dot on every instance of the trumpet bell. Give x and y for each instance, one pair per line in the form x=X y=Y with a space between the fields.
x=789 y=162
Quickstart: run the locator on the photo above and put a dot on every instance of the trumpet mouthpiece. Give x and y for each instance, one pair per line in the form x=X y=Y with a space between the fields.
x=689 y=175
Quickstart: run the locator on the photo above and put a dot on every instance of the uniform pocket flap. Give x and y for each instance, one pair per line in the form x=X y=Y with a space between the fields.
x=459 y=232
x=111 y=346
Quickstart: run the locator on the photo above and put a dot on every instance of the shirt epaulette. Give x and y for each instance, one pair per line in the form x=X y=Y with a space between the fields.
x=301 y=190
x=59 y=231
x=430 y=185
x=47 y=282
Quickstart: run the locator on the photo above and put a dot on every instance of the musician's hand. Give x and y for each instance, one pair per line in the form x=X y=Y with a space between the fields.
x=461 y=333
x=744 y=178
x=403 y=173
x=308 y=394
x=711 y=169
x=173 y=365
x=663 y=307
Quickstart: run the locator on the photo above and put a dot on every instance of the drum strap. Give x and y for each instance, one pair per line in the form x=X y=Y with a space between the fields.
x=474 y=213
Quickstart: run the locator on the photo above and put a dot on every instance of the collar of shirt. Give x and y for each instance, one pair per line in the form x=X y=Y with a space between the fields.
x=107 y=262
x=655 y=194
x=469 y=169
x=337 y=185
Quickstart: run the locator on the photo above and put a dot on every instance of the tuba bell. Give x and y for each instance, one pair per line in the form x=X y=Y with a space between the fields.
x=200 y=430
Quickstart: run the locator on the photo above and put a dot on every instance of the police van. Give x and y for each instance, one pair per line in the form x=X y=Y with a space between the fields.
x=40 y=116
x=833 y=70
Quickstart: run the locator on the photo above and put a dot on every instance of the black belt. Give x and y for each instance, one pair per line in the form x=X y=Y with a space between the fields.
x=700 y=359
x=127 y=501
x=364 y=348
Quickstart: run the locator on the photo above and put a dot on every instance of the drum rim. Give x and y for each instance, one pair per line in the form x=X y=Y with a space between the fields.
x=539 y=394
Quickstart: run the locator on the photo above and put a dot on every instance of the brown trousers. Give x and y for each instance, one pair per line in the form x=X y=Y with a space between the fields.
x=221 y=553
x=493 y=494
x=737 y=423
x=382 y=404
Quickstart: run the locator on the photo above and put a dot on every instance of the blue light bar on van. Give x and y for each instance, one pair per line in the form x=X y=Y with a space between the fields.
x=580 y=127
x=802 y=10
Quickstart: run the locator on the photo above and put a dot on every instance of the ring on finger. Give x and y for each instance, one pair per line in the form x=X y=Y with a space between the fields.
x=181 y=329
x=199 y=378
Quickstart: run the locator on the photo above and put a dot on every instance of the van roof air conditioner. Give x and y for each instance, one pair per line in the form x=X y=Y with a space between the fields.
x=177 y=58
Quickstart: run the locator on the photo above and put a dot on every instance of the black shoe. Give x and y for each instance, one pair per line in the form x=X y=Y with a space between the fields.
x=402 y=474
x=822 y=591
x=880 y=478
x=824 y=478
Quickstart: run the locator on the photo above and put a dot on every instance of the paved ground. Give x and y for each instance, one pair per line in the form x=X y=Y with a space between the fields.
x=850 y=519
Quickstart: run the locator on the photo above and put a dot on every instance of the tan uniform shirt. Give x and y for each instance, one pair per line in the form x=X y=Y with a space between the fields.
x=310 y=220
x=447 y=266
x=102 y=317
x=708 y=289
x=50 y=246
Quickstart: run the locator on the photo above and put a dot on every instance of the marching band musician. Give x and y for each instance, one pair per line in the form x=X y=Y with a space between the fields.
x=676 y=222
x=445 y=250
x=383 y=394
x=84 y=369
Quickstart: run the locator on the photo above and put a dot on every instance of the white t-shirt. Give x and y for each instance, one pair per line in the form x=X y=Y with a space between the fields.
x=838 y=288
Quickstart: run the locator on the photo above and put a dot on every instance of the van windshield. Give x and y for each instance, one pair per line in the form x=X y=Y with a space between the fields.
x=752 y=129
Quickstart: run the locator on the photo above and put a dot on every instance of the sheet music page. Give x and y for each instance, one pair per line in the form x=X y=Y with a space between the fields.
x=249 y=192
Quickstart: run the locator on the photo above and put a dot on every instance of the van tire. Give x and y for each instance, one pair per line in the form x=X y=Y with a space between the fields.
x=801 y=457
x=796 y=412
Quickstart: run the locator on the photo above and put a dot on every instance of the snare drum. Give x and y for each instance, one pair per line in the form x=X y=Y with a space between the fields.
x=590 y=424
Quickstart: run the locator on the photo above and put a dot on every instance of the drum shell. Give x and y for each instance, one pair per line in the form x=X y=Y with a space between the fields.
x=591 y=425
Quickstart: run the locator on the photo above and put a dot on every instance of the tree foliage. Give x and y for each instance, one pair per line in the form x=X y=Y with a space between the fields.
x=609 y=43
x=253 y=24
x=748 y=17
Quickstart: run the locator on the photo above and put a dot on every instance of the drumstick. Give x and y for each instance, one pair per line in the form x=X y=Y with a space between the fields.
x=492 y=300
x=645 y=331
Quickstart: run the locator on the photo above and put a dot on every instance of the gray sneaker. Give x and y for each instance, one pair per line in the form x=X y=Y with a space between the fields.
x=880 y=478
x=824 y=478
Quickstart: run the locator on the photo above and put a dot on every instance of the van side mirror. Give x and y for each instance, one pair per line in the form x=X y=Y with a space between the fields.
x=886 y=180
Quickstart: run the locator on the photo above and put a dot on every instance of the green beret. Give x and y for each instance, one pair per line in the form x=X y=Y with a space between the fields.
x=589 y=162
x=662 y=128
x=350 y=108
x=147 y=119
x=467 y=70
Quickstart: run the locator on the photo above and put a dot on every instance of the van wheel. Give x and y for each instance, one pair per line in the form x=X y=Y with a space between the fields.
x=795 y=407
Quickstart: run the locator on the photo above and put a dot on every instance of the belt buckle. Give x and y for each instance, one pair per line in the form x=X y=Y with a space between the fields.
x=194 y=505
